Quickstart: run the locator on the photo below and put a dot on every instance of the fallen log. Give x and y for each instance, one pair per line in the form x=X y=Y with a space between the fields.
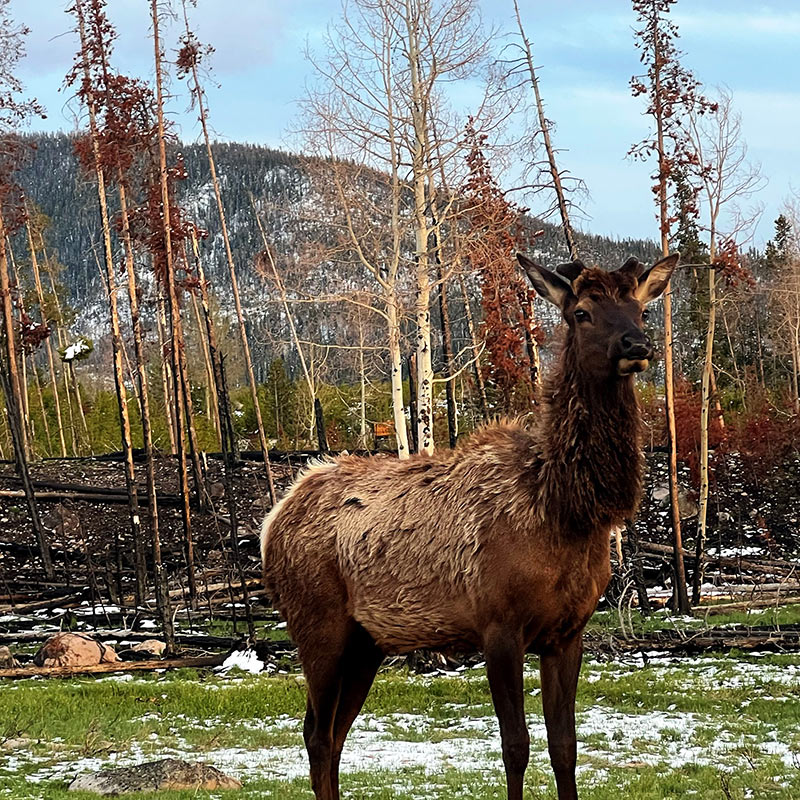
x=117 y=666
x=762 y=565
x=189 y=639
x=724 y=608
x=65 y=601
x=88 y=496
x=711 y=640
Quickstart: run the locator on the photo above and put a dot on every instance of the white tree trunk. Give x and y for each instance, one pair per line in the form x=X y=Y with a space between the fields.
x=396 y=366
x=421 y=177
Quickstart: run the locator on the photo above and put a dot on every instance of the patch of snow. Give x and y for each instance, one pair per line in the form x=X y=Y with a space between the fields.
x=75 y=349
x=245 y=660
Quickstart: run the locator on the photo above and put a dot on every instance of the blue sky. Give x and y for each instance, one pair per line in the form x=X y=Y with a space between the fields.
x=585 y=49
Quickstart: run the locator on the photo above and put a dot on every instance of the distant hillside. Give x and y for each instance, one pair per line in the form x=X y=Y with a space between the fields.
x=53 y=181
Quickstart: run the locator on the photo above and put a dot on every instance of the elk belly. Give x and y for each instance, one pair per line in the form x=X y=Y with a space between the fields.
x=407 y=598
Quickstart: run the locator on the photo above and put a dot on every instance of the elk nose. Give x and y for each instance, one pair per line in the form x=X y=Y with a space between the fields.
x=635 y=345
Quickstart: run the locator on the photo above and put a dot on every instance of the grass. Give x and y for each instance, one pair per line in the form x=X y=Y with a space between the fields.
x=772 y=617
x=721 y=727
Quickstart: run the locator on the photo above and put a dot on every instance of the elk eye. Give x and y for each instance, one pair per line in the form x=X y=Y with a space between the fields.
x=581 y=315
x=645 y=314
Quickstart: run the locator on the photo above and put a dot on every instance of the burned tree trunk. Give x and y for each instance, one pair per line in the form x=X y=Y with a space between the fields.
x=21 y=462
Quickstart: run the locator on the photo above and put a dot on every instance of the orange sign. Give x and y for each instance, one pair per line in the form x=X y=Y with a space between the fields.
x=383 y=429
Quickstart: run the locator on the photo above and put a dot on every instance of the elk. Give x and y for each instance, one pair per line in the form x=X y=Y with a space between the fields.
x=501 y=544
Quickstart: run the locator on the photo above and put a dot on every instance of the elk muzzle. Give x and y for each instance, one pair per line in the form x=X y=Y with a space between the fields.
x=634 y=352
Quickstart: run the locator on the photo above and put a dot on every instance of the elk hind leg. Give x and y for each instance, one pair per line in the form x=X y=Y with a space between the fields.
x=360 y=663
x=322 y=660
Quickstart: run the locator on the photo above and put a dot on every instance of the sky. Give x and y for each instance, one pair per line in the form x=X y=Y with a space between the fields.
x=584 y=48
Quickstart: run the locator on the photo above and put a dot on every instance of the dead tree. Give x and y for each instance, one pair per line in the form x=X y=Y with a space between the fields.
x=671 y=93
x=556 y=179
x=189 y=57
x=21 y=463
x=175 y=343
x=82 y=75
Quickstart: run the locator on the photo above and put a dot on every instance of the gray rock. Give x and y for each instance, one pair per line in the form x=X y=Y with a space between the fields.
x=7 y=660
x=216 y=490
x=168 y=774
x=661 y=493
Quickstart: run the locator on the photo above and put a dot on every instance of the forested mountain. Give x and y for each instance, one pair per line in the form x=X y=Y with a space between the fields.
x=294 y=217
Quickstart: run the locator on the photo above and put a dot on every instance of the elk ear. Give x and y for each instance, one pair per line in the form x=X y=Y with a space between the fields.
x=654 y=280
x=571 y=269
x=548 y=284
x=632 y=267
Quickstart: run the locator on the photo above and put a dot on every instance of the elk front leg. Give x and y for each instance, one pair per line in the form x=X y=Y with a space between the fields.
x=559 y=673
x=504 y=660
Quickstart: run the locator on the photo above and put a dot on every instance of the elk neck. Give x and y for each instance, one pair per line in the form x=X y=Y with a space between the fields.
x=590 y=473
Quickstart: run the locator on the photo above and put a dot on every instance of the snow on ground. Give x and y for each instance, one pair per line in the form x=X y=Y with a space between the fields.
x=657 y=739
x=245 y=660
x=469 y=740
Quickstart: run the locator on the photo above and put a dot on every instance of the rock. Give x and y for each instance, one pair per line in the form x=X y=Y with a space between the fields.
x=7 y=660
x=153 y=646
x=687 y=504
x=660 y=494
x=17 y=743
x=73 y=650
x=63 y=520
x=168 y=774
x=216 y=490
x=148 y=650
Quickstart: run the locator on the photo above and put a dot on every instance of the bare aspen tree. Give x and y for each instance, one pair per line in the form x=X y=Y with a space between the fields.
x=724 y=177
x=378 y=103
x=266 y=256
x=325 y=121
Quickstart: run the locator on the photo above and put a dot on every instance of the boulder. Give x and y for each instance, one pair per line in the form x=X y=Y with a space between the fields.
x=661 y=494
x=168 y=774
x=153 y=646
x=65 y=521
x=687 y=503
x=7 y=660
x=216 y=490
x=73 y=650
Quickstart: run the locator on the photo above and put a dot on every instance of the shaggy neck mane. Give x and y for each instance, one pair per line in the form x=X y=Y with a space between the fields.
x=589 y=442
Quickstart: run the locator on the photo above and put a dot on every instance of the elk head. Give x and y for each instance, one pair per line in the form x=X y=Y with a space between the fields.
x=605 y=311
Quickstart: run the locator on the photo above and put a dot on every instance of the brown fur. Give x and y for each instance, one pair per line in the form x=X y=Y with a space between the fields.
x=501 y=544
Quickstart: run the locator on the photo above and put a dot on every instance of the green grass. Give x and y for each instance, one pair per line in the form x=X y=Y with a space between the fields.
x=609 y=621
x=265 y=629
x=719 y=726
